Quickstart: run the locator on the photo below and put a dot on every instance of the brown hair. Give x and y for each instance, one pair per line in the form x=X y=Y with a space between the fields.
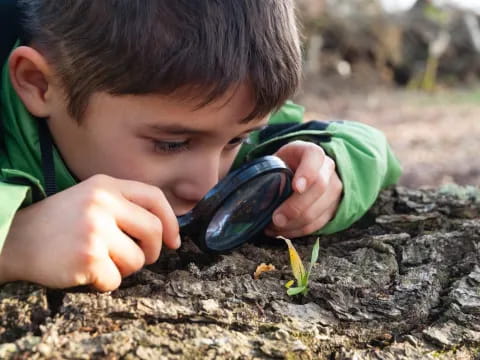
x=203 y=47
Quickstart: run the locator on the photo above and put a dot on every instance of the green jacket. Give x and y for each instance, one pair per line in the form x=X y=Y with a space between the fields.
x=363 y=158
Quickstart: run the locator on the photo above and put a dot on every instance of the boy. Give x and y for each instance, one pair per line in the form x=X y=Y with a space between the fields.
x=148 y=105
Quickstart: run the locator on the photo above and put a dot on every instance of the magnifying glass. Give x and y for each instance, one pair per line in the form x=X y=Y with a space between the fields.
x=238 y=207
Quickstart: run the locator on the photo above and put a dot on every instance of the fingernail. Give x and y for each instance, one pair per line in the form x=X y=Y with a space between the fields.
x=301 y=185
x=280 y=220
x=178 y=242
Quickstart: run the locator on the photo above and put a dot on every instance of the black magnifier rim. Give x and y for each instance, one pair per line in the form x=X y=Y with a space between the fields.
x=265 y=219
x=195 y=223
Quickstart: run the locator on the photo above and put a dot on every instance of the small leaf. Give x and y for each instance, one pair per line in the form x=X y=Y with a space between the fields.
x=314 y=258
x=295 y=262
x=304 y=281
x=296 y=290
x=289 y=284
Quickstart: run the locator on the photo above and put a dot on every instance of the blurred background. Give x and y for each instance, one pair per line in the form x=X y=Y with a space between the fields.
x=411 y=68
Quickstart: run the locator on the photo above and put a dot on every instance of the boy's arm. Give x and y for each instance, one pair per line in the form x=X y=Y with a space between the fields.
x=364 y=160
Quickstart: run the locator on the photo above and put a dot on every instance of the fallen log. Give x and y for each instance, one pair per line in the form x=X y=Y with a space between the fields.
x=403 y=283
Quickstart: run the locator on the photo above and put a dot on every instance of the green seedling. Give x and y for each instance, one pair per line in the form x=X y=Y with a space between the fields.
x=298 y=270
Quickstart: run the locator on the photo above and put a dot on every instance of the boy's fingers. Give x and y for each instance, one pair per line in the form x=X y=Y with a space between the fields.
x=297 y=204
x=142 y=226
x=125 y=253
x=326 y=204
x=309 y=215
x=305 y=159
x=303 y=230
x=320 y=209
x=106 y=276
x=152 y=199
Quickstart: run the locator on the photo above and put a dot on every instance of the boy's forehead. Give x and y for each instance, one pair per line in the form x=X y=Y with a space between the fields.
x=180 y=118
x=237 y=103
x=174 y=114
x=228 y=113
x=240 y=95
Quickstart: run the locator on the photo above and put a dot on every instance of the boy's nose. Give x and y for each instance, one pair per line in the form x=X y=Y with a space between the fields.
x=197 y=180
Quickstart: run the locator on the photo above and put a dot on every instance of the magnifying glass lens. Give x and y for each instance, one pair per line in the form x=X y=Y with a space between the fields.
x=246 y=212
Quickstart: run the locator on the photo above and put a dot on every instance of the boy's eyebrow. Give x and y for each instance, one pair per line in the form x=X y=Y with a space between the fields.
x=182 y=130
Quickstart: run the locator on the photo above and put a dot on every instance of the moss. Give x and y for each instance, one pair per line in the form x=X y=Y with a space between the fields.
x=470 y=193
x=305 y=338
x=445 y=353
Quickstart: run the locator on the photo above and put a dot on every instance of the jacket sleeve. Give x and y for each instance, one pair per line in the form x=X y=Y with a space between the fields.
x=366 y=165
x=363 y=158
x=11 y=199
x=17 y=189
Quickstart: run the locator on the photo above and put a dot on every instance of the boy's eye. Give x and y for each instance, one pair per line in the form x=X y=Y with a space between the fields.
x=170 y=146
x=178 y=146
x=237 y=141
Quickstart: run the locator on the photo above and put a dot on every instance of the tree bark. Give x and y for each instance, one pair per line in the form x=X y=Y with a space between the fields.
x=403 y=283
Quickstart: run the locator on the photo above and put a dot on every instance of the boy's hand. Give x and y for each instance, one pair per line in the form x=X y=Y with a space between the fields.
x=317 y=191
x=94 y=233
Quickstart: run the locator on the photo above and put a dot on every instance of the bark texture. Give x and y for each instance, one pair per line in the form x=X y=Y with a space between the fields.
x=403 y=283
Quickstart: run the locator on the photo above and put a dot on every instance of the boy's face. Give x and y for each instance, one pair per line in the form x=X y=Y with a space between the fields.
x=157 y=140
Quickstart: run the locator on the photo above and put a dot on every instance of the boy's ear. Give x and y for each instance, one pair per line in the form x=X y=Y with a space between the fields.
x=31 y=78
